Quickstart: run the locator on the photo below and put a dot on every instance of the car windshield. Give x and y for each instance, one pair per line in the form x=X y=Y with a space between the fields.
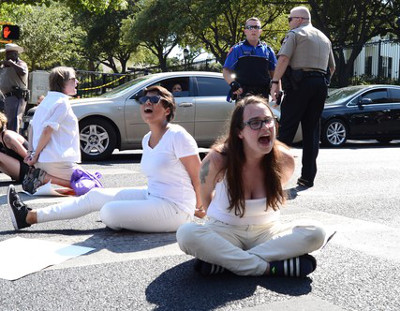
x=119 y=90
x=343 y=93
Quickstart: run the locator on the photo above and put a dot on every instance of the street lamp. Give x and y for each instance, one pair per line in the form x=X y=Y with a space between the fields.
x=185 y=55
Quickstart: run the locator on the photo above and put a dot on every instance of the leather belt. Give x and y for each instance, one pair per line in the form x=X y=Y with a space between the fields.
x=313 y=74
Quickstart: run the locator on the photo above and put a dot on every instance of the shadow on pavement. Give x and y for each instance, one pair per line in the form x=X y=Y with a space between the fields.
x=123 y=241
x=181 y=288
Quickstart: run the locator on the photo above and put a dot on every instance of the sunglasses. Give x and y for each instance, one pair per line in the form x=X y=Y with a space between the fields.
x=291 y=18
x=258 y=124
x=251 y=27
x=153 y=99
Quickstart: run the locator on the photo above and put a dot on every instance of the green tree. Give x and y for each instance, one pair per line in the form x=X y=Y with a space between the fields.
x=352 y=23
x=219 y=24
x=91 y=5
x=159 y=26
x=48 y=35
x=104 y=41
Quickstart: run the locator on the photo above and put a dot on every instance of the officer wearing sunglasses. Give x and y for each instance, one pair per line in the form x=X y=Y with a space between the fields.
x=307 y=53
x=252 y=61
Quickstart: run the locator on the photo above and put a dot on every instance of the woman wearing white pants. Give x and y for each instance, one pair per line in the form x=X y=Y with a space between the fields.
x=171 y=163
x=242 y=182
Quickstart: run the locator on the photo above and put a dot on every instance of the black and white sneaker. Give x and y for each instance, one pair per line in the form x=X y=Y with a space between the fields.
x=293 y=267
x=18 y=210
x=206 y=268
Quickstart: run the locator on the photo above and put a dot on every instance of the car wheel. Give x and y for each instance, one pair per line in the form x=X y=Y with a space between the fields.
x=98 y=139
x=335 y=133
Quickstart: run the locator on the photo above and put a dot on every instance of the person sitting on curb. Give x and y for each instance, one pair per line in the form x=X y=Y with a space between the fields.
x=171 y=163
x=242 y=180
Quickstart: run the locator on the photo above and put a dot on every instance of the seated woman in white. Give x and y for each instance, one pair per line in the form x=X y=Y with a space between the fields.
x=171 y=163
x=242 y=181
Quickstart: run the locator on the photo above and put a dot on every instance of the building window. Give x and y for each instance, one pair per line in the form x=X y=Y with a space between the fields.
x=387 y=66
x=368 y=65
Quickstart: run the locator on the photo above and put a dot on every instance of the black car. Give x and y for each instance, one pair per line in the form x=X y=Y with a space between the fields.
x=361 y=112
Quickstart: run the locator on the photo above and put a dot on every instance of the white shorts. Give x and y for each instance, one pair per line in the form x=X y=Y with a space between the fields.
x=61 y=170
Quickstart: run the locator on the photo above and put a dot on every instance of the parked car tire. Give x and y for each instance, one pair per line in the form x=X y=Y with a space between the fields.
x=334 y=133
x=98 y=139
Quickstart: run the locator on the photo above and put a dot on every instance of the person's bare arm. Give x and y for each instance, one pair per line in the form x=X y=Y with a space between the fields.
x=15 y=143
x=43 y=141
x=210 y=171
x=192 y=166
x=287 y=163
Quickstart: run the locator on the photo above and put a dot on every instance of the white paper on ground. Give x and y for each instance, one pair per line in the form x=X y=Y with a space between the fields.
x=49 y=190
x=20 y=256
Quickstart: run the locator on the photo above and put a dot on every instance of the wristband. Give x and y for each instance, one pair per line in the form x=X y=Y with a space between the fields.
x=274 y=82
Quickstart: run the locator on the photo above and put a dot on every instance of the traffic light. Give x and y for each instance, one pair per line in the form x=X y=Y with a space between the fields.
x=10 y=32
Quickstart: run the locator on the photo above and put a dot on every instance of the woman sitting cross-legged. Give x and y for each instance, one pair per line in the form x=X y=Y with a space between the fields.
x=242 y=181
x=171 y=163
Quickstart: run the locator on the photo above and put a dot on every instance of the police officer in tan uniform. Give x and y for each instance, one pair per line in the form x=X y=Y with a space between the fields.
x=305 y=62
x=14 y=85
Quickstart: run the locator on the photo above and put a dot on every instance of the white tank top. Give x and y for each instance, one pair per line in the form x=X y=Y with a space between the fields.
x=255 y=213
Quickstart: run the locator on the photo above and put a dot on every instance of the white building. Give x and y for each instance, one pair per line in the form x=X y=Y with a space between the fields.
x=379 y=57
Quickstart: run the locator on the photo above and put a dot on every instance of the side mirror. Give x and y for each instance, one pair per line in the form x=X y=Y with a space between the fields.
x=365 y=101
x=138 y=95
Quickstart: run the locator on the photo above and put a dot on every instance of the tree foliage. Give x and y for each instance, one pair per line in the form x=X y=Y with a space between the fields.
x=158 y=27
x=219 y=24
x=48 y=35
x=104 y=41
x=91 y=5
x=352 y=23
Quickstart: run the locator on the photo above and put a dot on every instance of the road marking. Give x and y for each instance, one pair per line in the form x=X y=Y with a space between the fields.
x=351 y=233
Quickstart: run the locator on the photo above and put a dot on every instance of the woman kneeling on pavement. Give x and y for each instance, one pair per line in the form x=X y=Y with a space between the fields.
x=54 y=133
x=171 y=163
x=242 y=181
x=13 y=151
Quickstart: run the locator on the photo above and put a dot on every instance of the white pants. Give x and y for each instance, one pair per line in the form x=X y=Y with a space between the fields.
x=246 y=250
x=127 y=208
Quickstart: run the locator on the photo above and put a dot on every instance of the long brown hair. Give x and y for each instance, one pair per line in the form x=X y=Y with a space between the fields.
x=231 y=146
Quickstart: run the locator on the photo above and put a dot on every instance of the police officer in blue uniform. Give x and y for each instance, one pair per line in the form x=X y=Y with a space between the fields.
x=305 y=64
x=253 y=63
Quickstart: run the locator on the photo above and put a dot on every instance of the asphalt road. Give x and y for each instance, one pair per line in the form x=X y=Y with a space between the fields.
x=356 y=193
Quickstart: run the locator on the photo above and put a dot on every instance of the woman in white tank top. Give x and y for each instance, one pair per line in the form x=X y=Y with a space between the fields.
x=242 y=181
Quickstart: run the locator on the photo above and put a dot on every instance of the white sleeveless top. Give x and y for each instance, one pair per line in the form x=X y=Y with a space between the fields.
x=255 y=213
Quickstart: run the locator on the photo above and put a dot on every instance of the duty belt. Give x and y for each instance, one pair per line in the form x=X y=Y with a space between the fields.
x=9 y=94
x=313 y=74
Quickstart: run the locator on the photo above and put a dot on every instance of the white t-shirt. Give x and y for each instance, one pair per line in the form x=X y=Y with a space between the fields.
x=167 y=176
x=56 y=112
x=255 y=213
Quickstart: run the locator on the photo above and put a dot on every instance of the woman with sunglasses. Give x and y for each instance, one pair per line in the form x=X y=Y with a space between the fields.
x=242 y=182
x=171 y=163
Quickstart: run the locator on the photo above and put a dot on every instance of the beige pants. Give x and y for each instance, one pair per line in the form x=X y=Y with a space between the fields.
x=61 y=170
x=246 y=250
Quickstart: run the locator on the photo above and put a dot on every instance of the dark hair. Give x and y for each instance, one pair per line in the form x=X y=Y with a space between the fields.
x=232 y=148
x=166 y=97
x=3 y=122
x=59 y=76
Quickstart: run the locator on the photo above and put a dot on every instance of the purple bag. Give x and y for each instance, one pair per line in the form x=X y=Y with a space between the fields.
x=82 y=181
